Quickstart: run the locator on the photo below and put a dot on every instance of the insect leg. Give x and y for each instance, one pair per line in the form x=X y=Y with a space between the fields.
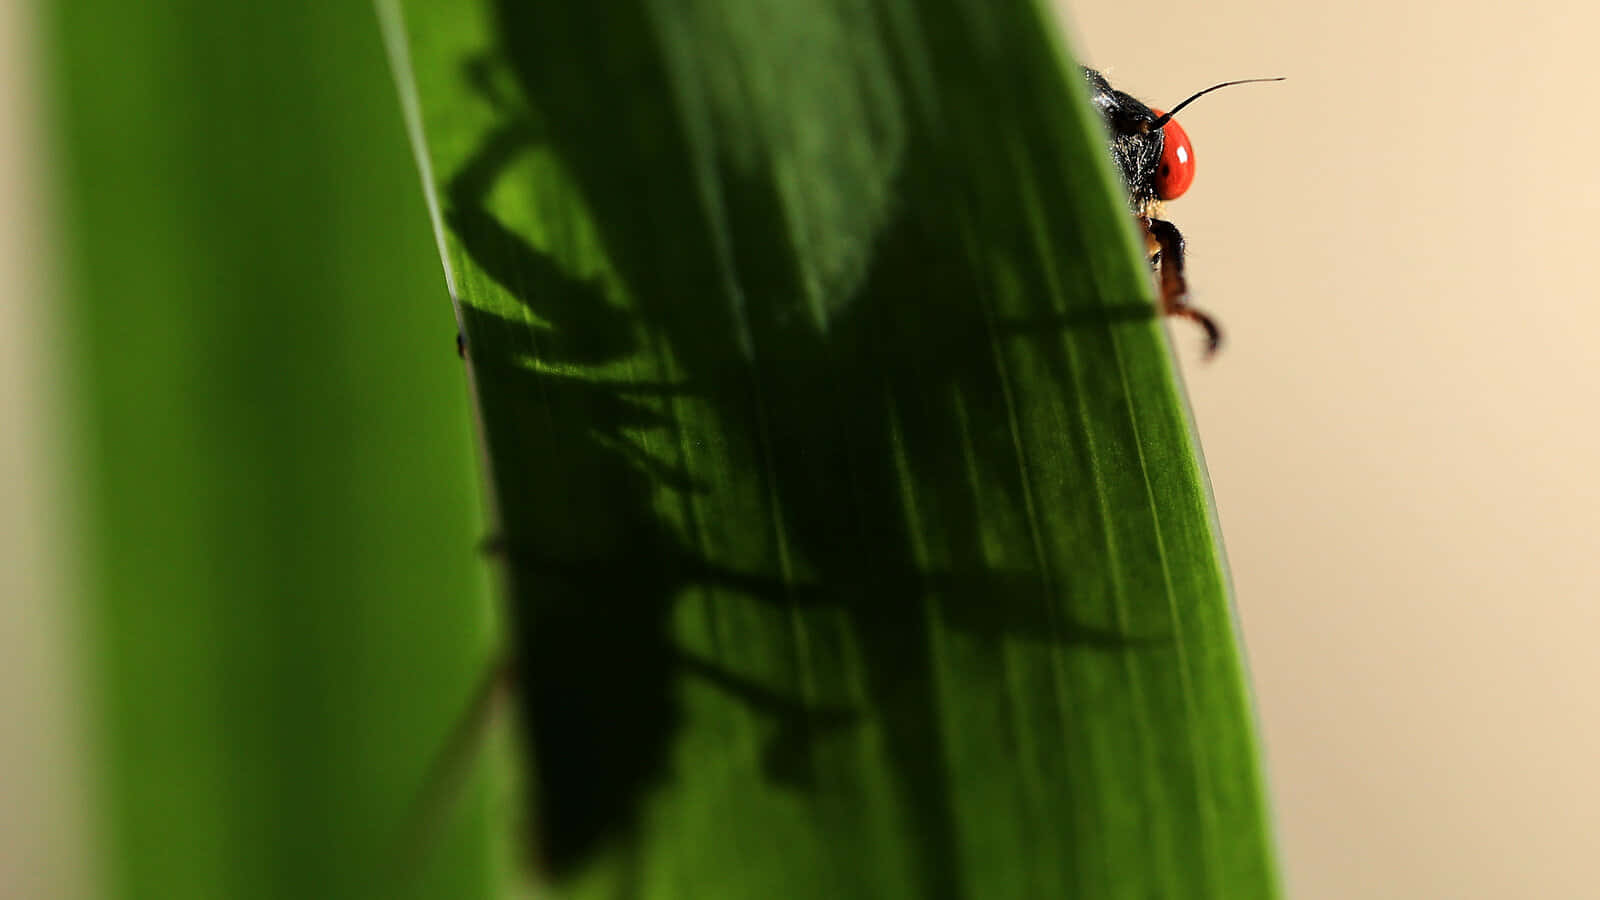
x=1174 y=289
x=447 y=773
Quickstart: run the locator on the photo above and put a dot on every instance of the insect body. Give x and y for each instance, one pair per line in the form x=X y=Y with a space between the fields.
x=1153 y=154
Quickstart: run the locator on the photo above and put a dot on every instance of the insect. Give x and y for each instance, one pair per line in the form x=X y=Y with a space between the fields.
x=1156 y=160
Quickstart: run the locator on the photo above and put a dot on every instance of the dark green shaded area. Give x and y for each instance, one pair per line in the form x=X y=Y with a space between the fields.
x=856 y=539
x=287 y=607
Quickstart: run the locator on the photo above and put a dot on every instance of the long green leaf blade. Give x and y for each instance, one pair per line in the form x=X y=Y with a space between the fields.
x=856 y=540
x=287 y=606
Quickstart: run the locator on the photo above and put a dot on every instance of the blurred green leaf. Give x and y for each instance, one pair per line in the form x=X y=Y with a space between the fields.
x=856 y=541
x=286 y=605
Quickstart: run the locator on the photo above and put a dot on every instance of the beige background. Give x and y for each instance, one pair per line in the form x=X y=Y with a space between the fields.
x=1401 y=241
x=1403 y=431
x=43 y=838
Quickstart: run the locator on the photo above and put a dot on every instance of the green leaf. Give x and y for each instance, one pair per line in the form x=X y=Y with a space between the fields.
x=855 y=537
x=285 y=599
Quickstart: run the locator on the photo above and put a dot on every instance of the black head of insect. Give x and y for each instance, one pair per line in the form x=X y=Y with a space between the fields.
x=1151 y=150
x=1156 y=161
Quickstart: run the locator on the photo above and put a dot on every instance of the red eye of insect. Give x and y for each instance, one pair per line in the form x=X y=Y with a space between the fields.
x=1176 y=171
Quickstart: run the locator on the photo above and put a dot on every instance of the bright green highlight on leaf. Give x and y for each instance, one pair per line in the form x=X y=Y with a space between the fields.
x=855 y=537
